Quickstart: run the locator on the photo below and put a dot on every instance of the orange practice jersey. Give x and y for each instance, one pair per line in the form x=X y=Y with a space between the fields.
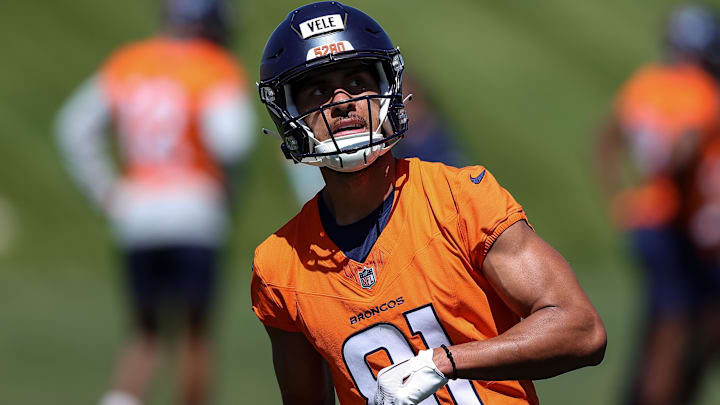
x=421 y=285
x=658 y=109
x=156 y=89
x=704 y=212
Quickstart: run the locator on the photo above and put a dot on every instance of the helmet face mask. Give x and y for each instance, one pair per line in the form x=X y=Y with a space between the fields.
x=293 y=54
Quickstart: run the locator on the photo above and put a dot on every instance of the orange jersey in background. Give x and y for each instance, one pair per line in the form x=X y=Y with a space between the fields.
x=421 y=285
x=659 y=109
x=704 y=217
x=156 y=90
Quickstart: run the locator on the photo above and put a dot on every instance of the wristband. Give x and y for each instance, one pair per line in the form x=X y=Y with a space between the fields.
x=452 y=361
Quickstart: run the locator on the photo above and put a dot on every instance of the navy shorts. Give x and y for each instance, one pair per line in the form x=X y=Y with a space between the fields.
x=171 y=282
x=676 y=280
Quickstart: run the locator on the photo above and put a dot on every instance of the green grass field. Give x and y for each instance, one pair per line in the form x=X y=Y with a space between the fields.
x=523 y=83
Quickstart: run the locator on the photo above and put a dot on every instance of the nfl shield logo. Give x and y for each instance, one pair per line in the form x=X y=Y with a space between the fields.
x=367 y=277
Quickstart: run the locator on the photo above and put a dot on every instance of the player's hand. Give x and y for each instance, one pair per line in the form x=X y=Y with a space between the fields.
x=410 y=381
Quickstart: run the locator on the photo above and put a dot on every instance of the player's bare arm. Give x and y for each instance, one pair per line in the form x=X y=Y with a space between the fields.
x=561 y=329
x=302 y=374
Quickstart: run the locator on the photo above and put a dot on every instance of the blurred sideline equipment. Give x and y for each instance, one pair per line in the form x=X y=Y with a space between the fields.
x=179 y=109
x=664 y=117
x=399 y=261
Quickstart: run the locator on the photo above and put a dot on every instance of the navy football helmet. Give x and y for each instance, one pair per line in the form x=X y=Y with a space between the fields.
x=316 y=36
x=691 y=30
x=207 y=19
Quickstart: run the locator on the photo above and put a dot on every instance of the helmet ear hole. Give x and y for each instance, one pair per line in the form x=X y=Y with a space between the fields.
x=293 y=140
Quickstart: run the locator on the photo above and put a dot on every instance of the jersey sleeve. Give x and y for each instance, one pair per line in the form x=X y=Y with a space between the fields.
x=228 y=123
x=227 y=118
x=485 y=210
x=273 y=305
x=81 y=130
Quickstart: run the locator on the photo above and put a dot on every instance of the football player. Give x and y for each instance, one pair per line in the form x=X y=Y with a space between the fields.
x=402 y=281
x=180 y=115
x=703 y=226
x=662 y=117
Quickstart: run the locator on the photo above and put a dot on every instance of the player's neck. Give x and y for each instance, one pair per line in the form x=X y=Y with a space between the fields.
x=353 y=196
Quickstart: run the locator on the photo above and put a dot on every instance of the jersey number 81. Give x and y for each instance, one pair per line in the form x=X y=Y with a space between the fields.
x=422 y=321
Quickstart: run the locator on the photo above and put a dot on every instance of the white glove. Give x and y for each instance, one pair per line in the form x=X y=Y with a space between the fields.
x=410 y=381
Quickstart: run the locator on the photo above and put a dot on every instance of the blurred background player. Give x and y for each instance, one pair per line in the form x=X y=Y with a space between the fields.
x=431 y=139
x=702 y=223
x=663 y=117
x=703 y=227
x=178 y=108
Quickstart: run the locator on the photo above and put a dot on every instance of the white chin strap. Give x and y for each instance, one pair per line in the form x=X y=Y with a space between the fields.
x=350 y=161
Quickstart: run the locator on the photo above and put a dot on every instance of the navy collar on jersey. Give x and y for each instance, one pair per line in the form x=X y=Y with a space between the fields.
x=357 y=239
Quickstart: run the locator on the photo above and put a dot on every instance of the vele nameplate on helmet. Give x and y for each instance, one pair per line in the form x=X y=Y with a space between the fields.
x=321 y=25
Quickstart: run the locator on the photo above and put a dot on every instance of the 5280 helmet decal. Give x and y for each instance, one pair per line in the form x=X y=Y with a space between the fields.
x=318 y=36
